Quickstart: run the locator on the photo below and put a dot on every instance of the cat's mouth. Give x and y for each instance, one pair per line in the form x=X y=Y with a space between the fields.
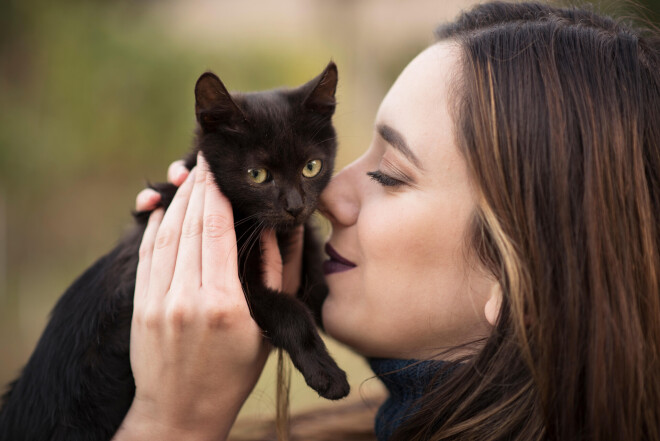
x=285 y=222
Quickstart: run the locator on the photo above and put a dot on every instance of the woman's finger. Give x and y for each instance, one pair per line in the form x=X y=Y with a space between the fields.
x=272 y=260
x=292 y=270
x=147 y=200
x=219 y=257
x=177 y=172
x=188 y=269
x=146 y=252
x=167 y=240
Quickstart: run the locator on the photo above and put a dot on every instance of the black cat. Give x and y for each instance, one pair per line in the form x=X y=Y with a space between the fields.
x=271 y=153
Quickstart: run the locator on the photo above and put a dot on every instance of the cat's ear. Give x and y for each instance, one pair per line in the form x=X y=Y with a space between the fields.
x=214 y=106
x=321 y=92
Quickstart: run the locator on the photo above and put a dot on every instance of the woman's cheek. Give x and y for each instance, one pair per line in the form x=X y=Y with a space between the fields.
x=391 y=256
x=397 y=234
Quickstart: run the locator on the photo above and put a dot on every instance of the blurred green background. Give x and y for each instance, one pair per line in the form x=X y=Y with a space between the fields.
x=96 y=97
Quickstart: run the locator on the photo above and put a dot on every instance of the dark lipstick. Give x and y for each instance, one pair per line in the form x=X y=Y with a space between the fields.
x=336 y=263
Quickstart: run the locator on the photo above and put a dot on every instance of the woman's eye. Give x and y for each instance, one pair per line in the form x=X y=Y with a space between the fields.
x=258 y=175
x=384 y=179
x=312 y=168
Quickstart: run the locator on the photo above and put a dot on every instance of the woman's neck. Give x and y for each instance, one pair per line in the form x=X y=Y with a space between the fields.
x=406 y=382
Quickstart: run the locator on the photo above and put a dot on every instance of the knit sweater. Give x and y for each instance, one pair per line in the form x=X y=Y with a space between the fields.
x=406 y=382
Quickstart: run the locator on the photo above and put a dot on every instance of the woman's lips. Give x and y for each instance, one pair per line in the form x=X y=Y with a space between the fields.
x=336 y=263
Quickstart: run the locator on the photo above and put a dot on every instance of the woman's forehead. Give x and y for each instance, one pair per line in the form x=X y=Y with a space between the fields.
x=418 y=104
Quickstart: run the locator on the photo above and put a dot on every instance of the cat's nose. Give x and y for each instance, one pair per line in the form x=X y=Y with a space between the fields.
x=294 y=211
x=293 y=203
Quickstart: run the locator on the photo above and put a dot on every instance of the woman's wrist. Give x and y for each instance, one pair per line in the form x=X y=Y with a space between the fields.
x=141 y=423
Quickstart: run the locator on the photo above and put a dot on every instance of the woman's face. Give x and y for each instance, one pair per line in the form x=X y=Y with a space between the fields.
x=413 y=290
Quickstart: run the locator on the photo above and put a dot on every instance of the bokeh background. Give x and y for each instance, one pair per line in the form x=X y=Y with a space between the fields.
x=96 y=97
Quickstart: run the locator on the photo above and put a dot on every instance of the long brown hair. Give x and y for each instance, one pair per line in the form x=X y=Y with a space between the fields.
x=558 y=117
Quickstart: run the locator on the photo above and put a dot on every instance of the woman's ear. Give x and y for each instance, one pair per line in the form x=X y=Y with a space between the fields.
x=492 y=308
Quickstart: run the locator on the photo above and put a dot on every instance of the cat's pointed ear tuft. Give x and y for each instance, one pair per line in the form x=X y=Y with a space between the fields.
x=321 y=98
x=214 y=106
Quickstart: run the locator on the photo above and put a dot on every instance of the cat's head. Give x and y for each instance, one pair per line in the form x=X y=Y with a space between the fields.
x=272 y=152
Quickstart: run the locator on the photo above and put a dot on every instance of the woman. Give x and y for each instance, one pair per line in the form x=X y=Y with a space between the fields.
x=505 y=219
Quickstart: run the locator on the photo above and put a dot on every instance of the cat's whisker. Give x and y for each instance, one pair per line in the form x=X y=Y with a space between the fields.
x=333 y=138
x=317 y=131
x=246 y=232
x=244 y=244
x=245 y=219
x=253 y=232
x=250 y=242
x=256 y=235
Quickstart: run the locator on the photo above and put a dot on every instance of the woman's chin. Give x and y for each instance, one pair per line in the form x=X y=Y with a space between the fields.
x=339 y=326
x=329 y=325
x=335 y=324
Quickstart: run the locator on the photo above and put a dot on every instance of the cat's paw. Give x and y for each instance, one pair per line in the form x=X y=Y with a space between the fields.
x=329 y=382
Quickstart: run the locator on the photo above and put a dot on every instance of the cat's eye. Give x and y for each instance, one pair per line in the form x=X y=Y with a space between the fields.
x=312 y=168
x=258 y=175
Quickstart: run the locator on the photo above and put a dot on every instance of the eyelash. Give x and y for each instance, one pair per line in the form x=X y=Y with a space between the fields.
x=383 y=179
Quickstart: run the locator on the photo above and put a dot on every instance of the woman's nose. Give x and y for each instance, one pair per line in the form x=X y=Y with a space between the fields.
x=340 y=201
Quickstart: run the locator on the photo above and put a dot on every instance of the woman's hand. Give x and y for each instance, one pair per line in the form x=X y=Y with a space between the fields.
x=195 y=351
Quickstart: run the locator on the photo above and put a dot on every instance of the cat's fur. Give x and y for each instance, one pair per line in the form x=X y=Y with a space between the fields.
x=78 y=383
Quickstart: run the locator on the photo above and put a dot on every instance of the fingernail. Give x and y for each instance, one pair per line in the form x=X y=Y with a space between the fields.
x=182 y=175
x=146 y=199
x=152 y=195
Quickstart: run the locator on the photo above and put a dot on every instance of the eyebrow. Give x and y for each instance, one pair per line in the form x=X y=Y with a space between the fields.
x=396 y=140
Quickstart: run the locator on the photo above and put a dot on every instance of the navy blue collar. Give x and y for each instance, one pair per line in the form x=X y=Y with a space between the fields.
x=406 y=382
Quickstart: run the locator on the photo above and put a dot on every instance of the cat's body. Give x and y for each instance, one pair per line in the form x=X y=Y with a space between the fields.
x=78 y=383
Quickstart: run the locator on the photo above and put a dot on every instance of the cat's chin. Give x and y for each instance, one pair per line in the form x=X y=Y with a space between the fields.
x=285 y=226
x=284 y=223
